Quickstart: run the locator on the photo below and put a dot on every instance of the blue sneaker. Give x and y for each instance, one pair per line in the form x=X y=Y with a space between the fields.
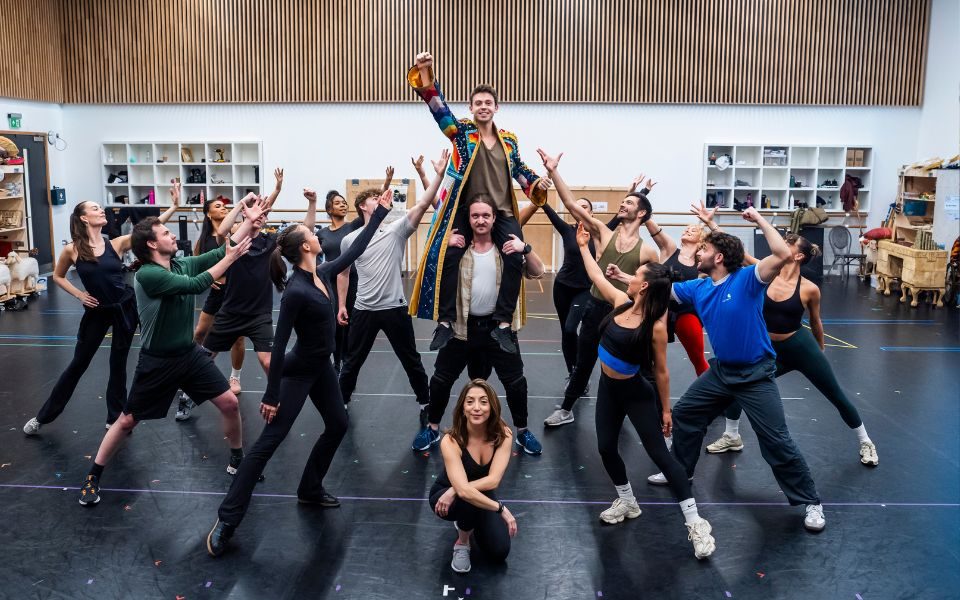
x=529 y=442
x=427 y=437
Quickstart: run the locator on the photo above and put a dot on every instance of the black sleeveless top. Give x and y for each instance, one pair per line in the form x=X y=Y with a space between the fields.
x=687 y=273
x=786 y=316
x=103 y=278
x=209 y=243
x=617 y=342
x=473 y=470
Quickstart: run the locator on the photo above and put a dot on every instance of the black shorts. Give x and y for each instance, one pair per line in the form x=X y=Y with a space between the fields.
x=156 y=380
x=214 y=301
x=227 y=329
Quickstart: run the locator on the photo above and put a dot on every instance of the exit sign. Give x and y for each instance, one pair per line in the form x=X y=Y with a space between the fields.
x=14 y=120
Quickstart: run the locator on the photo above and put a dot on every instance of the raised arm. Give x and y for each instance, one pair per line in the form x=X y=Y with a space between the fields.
x=526 y=213
x=662 y=239
x=415 y=214
x=551 y=164
x=310 y=221
x=160 y=282
x=534 y=186
x=250 y=215
x=122 y=243
x=418 y=165
x=420 y=77
x=769 y=267
x=226 y=225
x=278 y=175
x=387 y=179
x=360 y=244
x=610 y=293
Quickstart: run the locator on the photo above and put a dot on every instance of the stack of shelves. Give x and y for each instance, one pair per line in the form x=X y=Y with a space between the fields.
x=132 y=171
x=771 y=176
x=916 y=200
x=13 y=208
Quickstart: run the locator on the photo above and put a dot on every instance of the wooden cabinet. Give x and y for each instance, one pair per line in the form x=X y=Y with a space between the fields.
x=917 y=270
x=13 y=209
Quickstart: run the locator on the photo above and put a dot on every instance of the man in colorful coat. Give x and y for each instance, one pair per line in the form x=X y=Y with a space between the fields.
x=484 y=160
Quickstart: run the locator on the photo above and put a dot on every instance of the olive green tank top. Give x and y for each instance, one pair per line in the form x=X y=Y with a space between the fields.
x=628 y=262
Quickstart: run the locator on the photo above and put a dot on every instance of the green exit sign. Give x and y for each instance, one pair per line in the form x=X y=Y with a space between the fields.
x=14 y=120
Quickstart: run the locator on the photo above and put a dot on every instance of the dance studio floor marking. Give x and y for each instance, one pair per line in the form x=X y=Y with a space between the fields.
x=874 y=504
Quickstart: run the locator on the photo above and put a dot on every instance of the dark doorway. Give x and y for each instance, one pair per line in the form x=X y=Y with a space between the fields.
x=34 y=147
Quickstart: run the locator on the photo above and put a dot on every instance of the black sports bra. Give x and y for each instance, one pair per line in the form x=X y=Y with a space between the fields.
x=786 y=316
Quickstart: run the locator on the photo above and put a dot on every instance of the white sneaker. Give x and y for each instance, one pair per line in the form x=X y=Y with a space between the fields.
x=726 y=443
x=184 y=407
x=461 y=558
x=620 y=510
x=703 y=543
x=661 y=479
x=868 y=454
x=32 y=427
x=814 y=520
x=559 y=417
x=235 y=386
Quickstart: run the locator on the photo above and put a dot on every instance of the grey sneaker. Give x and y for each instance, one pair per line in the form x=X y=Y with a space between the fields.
x=184 y=406
x=461 y=558
x=559 y=417
x=699 y=534
x=661 y=479
x=868 y=452
x=814 y=520
x=32 y=427
x=620 y=510
x=726 y=443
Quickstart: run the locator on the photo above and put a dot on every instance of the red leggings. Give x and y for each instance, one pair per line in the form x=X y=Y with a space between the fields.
x=690 y=333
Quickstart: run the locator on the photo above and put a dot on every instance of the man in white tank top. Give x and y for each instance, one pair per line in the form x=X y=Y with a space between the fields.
x=481 y=271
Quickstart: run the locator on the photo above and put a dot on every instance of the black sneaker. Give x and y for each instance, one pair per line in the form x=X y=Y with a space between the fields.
x=218 y=538
x=325 y=499
x=504 y=337
x=441 y=335
x=90 y=491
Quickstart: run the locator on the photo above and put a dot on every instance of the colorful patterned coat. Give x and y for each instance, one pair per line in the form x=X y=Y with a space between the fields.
x=464 y=136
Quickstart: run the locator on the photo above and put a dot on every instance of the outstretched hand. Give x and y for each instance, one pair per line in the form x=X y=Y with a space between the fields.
x=440 y=165
x=648 y=184
x=635 y=184
x=234 y=252
x=752 y=215
x=550 y=163
x=254 y=210
x=310 y=195
x=417 y=163
x=386 y=199
x=583 y=236
x=278 y=175
x=701 y=212
x=175 y=193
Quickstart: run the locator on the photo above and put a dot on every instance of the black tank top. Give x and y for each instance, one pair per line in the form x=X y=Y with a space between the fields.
x=473 y=470
x=786 y=316
x=209 y=243
x=687 y=273
x=103 y=278
x=618 y=341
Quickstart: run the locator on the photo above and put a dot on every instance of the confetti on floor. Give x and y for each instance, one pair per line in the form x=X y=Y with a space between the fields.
x=761 y=575
x=5 y=465
x=89 y=581
x=157 y=563
x=126 y=507
x=209 y=583
x=729 y=595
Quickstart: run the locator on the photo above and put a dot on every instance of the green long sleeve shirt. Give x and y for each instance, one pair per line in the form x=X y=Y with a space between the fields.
x=165 y=301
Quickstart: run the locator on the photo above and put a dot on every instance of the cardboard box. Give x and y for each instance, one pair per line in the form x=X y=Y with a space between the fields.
x=858 y=157
x=850 y=156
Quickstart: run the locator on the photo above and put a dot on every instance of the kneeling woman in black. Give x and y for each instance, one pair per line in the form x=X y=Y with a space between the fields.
x=475 y=451
x=308 y=306
x=633 y=351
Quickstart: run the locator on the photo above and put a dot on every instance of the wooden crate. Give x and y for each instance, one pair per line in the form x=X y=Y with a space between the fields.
x=919 y=268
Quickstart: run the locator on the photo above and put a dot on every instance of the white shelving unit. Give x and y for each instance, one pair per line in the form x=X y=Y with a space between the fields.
x=153 y=166
x=784 y=175
x=15 y=207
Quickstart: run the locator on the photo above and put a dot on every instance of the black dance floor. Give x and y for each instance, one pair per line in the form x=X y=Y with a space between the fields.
x=892 y=531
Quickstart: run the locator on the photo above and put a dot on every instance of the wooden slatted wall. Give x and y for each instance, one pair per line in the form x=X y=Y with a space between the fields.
x=847 y=52
x=31 y=65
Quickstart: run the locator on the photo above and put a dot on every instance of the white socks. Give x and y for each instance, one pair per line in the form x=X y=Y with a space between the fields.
x=626 y=493
x=668 y=440
x=733 y=428
x=862 y=434
x=235 y=373
x=689 y=508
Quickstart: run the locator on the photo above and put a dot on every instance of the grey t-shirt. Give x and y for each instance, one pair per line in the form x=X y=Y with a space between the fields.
x=379 y=284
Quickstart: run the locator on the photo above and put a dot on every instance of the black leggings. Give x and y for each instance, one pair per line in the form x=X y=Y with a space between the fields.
x=93 y=328
x=637 y=399
x=801 y=352
x=488 y=527
x=587 y=345
x=566 y=298
x=314 y=378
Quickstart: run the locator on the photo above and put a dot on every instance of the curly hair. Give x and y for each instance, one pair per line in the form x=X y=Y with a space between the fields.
x=364 y=195
x=729 y=246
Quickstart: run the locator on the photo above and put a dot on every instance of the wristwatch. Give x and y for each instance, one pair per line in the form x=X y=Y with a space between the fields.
x=527 y=249
x=501 y=507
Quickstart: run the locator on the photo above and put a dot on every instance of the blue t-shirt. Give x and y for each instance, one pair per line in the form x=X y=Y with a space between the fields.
x=732 y=313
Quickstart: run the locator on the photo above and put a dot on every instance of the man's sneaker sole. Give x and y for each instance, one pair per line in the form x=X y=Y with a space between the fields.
x=621 y=519
x=725 y=449
x=562 y=421
x=97 y=501
x=231 y=470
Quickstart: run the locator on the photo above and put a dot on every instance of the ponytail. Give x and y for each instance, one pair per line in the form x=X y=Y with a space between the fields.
x=288 y=247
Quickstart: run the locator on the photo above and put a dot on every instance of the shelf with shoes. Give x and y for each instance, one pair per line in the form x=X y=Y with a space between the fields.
x=784 y=175
x=133 y=169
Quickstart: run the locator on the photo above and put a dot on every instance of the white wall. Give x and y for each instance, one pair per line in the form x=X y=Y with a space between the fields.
x=939 y=129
